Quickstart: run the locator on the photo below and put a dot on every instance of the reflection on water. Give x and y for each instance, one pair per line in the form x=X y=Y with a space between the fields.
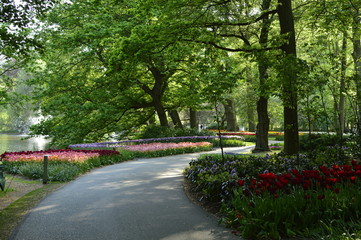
x=14 y=143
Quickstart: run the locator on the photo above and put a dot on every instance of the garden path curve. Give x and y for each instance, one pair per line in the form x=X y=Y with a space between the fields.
x=136 y=200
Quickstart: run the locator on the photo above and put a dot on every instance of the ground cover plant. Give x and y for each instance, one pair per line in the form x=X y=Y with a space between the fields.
x=274 y=196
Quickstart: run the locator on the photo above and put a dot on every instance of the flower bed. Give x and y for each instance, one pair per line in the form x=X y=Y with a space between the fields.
x=165 y=146
x=272 y=197
x=142 y=141
x=64 y=164
x=56 y=155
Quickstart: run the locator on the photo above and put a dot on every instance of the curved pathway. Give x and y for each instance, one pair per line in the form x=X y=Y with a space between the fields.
x=135 y=200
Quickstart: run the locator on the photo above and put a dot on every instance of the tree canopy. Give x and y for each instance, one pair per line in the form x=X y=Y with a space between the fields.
x=105 y=66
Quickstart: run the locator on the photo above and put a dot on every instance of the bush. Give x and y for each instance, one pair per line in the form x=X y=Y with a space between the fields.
x=279 y=138
x=249 y=138
x=215 y=126
x=319 y=141
x=228 y=142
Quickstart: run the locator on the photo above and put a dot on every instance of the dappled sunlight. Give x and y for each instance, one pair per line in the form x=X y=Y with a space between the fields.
x=82 y=216
x=48 y=209
x=192 y=234
x=131 y=198
x=176 y=172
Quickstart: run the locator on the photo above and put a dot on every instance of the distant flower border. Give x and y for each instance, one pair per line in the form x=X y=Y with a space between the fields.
x=67 y=155
x=148 y=147
x=122 y=143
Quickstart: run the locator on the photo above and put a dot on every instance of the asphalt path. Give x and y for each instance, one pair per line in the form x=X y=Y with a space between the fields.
x=134 y=200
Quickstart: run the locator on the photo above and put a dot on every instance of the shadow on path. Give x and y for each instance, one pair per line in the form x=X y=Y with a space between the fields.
x=141 y=199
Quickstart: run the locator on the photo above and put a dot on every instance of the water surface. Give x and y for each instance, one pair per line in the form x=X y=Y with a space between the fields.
x=17 y=143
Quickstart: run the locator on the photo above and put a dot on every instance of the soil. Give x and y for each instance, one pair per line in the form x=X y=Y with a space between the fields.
x=15 y=188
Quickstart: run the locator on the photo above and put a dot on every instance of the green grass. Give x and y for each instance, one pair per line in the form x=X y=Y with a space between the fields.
x=9 y=179
x=6 y=190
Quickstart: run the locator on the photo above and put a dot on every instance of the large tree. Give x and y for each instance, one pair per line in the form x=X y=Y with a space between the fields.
x=232 y=27
x=111 y=70
x=288 y=74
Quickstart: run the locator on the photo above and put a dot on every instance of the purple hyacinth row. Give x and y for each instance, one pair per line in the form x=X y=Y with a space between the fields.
x=112 y=144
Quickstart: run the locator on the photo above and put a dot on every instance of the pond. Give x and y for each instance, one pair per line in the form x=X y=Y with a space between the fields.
x=17 y=143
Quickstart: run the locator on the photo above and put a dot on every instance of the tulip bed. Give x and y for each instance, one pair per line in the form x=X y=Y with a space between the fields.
x=164 y=149
x=238 y=141
x=64 y=165
x=277 y=196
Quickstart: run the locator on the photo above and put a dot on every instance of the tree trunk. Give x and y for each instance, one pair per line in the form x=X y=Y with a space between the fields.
x=262 y=103
x=356 y=40
x=262 y=126
x=250 y=106
x=289 y=78
x=158 y=105
x=341 y=108
x=160 y=84
x=231 y=117
x=175 y=118
x=193 y=121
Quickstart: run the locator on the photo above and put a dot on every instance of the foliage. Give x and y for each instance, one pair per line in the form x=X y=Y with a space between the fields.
x=319 y=141
x=300 y=213
x=62 y=172
x=250 y=138
x=16 y=19
x=226 y=142
x=126 y=63
x=276 y=146
x=17 y=40
x=279 y=138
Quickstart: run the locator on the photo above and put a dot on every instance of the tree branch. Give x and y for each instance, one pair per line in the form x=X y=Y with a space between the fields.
x=234 y=49
x=261 y=17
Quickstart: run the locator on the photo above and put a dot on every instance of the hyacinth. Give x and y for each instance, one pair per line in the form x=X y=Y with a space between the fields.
x=121 y=143
x=164 y=146
x=55 y=155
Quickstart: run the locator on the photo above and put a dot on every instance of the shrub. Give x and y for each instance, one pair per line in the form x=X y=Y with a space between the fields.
x=279 y=138
x=228 y=142
x=249 y=138
x=319 y=141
